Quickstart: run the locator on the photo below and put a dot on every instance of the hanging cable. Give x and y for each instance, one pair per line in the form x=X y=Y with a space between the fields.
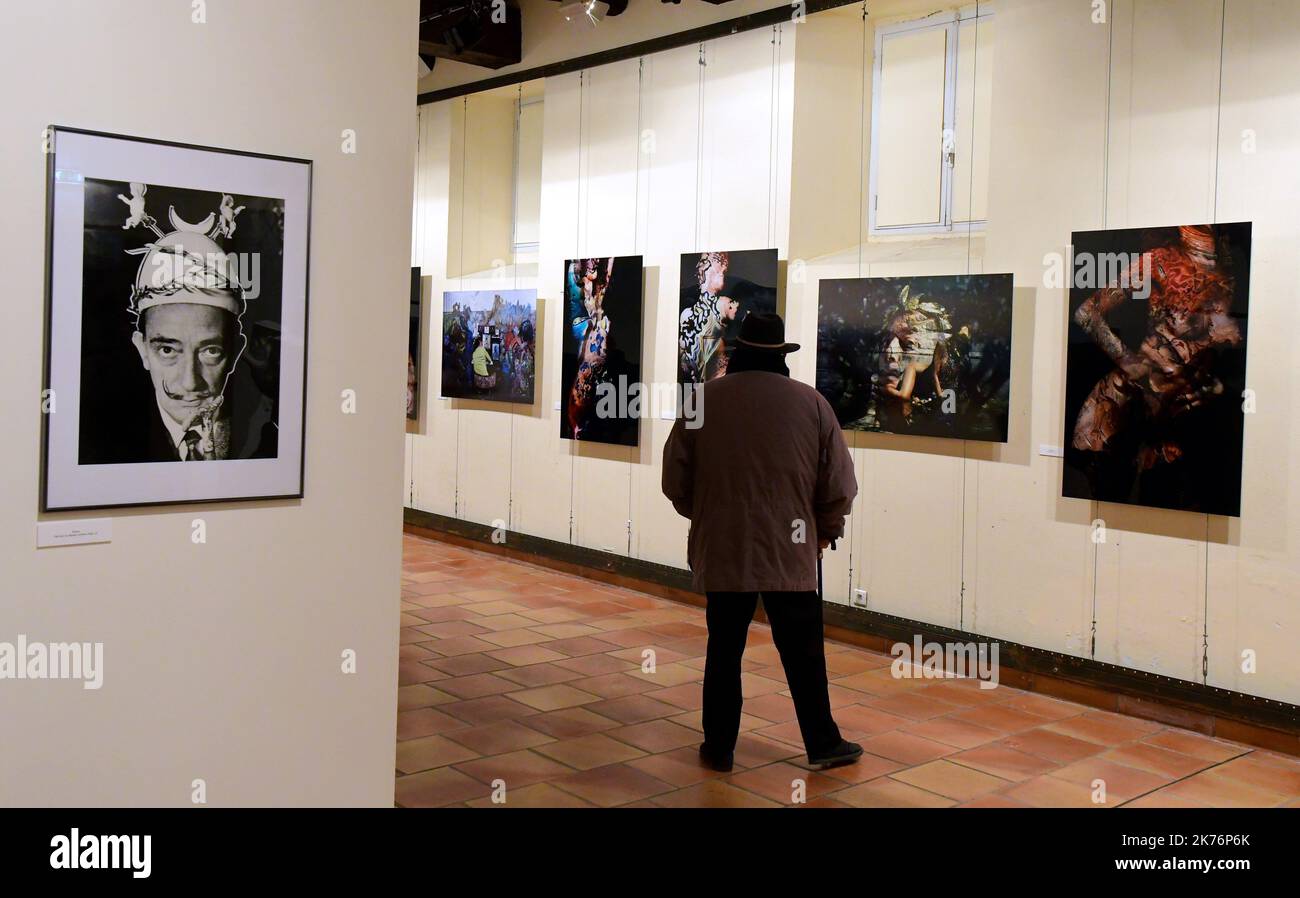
x=862 y=212
x=636 y=226
x=577 y=250
x=1214 y=219
x=1105 y=223
x=417 y=256
x=771 y=132
x=514 y=264
x=460 y=265
x=970 y=238
x=699 y=146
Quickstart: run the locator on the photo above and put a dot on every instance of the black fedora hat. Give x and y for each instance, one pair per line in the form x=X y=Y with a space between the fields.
x=764 y=330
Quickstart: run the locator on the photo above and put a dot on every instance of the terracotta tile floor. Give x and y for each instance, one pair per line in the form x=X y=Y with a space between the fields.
x=518 y=674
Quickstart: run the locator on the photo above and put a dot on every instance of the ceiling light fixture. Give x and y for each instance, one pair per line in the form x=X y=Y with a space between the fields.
x=584 y=11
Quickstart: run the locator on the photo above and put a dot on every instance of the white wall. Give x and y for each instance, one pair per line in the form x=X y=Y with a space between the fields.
x=221 y=661
x=1093 y=125
x=483 y=189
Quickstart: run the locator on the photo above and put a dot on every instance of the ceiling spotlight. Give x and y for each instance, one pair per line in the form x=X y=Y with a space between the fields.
x=589 y=11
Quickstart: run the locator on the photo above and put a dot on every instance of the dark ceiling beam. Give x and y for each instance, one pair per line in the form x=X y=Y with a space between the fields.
x=749 y=22
x=465 y=31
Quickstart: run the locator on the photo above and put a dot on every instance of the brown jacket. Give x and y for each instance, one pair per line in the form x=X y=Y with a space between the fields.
x=767 y=466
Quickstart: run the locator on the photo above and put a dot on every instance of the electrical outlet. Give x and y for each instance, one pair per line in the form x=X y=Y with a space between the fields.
x=859 y=599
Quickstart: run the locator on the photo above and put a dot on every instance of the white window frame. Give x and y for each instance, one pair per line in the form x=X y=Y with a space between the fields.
x=515 y=245
x=950 y=21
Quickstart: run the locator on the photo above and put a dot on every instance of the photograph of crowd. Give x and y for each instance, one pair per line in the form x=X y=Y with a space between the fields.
x=928 y=355
x=488 y=345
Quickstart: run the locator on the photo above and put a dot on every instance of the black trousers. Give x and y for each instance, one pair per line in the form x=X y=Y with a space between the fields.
x=796 y=619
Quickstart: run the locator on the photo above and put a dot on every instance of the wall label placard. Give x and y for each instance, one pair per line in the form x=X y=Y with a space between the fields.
x=73 y=533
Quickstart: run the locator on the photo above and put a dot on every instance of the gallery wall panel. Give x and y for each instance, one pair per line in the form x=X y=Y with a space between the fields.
x=606 y=213
x=1254 y=561
x=485 y=465
x=912 y=548
x=1030 y=562
x=434 y=458
x=908 y=561
x=670 y=171
x=218 y=656
x=841 y=567
x=746 y=140
x=541 y=497
x=1142 y=574
x=479 y=257
x=1163 y=112
x=829 y=129
x=607 y=206
x=1165 y=154
x=484 y=436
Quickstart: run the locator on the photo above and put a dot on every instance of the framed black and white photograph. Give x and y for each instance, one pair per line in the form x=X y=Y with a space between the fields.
x=413 y=358
x=176 y=323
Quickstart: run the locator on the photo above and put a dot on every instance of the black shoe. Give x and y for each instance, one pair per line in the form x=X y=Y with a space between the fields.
x=844 y=753
x=719 y=761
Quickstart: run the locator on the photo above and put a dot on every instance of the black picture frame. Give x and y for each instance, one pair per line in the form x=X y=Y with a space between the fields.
x=1129 y=437
x=956 y=332
x=619 y=283
x=52 y=173
x=415 y=359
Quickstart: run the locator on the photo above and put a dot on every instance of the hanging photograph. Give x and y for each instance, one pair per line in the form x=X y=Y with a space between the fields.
x=601 y=371
x=927 y=355
x=177 y=323
x=413 y=352
x=488 y=345
x=1156 y=367
x=717 y=291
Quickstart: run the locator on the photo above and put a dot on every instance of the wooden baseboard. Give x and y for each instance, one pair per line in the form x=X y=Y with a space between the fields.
x=1249 y=719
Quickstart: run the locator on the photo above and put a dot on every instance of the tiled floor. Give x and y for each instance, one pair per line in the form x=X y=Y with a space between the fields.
x=530 y=682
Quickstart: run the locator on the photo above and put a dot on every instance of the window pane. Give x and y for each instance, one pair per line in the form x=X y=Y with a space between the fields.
x=974 y=92
x=910 y=121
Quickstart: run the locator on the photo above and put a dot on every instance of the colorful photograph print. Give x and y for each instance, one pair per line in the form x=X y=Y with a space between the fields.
x=927 y=355
x=718 y=289
x=601 y=370
x=1156 y=366
x=489 y=345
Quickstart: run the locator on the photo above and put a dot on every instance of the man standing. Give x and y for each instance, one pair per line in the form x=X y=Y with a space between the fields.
x=766 y=481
